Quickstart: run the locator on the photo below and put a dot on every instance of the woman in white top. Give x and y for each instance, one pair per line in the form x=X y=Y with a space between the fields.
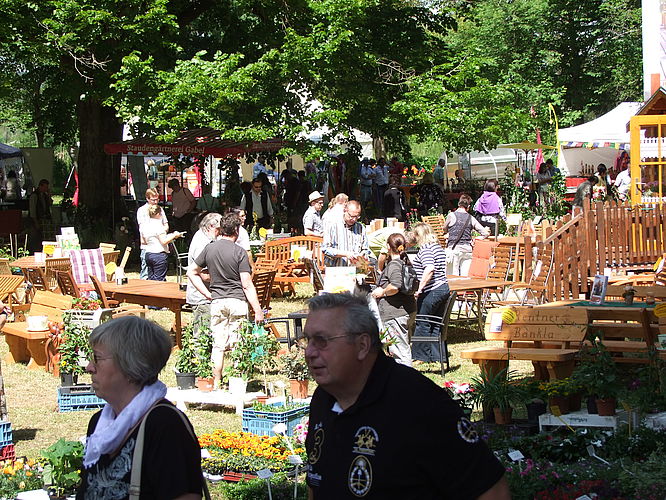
x=154 y=236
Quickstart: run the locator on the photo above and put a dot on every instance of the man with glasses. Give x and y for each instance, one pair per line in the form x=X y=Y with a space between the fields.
x=345 y=242
x=369 y=416
x=143 y=218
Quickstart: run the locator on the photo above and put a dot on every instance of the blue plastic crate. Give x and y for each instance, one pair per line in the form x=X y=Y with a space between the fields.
x=5 y=434
x=78 y=401
x=262 y=422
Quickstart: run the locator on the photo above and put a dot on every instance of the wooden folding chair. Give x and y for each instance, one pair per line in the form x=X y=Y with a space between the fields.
x=106 y=302
x=263 y=283
x=5 y=268
x=315 y=274
x=437 y=223
x=67 y=284
x=8 y=286
x=53 y=264
x=34 y=280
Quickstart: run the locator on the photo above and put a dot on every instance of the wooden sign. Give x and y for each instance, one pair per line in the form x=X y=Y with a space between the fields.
x=536 y=324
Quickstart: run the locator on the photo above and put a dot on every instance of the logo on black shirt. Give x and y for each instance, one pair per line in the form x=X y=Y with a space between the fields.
x=366 y=439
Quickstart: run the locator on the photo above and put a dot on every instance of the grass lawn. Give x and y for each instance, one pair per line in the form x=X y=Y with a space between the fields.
x=32 y=394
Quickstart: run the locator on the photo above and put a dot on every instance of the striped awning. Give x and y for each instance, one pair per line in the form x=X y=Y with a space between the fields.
x=596 y=144
x=194 y=142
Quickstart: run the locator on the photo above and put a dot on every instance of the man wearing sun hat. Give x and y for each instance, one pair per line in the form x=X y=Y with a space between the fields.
x=312 y=224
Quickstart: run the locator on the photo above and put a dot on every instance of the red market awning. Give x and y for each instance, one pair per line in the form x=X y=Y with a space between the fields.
x=195 y=142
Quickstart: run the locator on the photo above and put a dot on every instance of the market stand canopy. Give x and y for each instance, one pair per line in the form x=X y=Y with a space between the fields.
x=7 y=151
x=200 y=141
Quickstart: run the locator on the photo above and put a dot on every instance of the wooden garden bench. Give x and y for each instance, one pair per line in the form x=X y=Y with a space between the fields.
x=549 y=338
x=437 y=223
x=290 y=271
x=31 y=346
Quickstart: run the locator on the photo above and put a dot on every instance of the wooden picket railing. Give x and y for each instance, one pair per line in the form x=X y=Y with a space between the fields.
x=605 y=235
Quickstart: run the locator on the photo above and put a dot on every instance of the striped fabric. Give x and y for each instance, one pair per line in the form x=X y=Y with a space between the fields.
x=339 y=236
x=86 y=262
x=431 y=254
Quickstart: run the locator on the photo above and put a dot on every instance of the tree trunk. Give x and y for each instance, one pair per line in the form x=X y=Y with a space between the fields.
x=379 y=147
x=99 y=173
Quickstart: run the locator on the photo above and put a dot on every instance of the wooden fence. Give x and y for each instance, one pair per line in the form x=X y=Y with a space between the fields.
x=605 y=235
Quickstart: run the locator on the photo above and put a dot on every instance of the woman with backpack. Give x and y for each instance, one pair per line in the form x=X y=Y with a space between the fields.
x=396 y=304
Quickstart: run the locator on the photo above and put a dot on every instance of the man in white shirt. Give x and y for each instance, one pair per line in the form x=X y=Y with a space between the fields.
x=209 y=230
x=312 y=223
x=623 y=183
x=142 y=217
x=259 y=203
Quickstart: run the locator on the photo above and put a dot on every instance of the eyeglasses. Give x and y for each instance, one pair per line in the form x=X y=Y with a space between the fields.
x=319 y=341
x=352 y=217
x=95 y=358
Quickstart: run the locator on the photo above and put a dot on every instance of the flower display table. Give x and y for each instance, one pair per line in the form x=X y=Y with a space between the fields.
x=181 y=398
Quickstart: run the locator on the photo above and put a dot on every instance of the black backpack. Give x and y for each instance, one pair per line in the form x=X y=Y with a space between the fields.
x=410 y=283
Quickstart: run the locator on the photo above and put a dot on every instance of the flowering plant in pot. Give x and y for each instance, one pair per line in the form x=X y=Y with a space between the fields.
x=597 y=374
x=558 y=392
x=461 y=393
x=73 y=348
x=294 y=367
x=498 y=391
x=535 y=399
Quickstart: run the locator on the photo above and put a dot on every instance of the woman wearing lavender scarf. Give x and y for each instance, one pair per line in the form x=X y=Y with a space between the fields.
x=128 y=354
x=489 y=207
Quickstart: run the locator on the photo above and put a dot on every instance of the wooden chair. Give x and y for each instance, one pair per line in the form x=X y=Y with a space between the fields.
x=106 y=302
x=441 y=323
x=110 y=256
x=67 y=284
x=53 y=264
x=107 y=247
x=263 y=283
x=5 y=268
x=8 y=285
x=437 y=223
x=534 y=291
x=500 y=265
x=315 y=274
x=34 y=280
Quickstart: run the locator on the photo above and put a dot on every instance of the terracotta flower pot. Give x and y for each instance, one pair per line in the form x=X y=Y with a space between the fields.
x=502 y=417
x=560 y=401
x=606 y=407
x=298 y=388
x=205 y=384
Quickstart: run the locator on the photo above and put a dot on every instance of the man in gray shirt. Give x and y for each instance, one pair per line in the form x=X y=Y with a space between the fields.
x=312 y=223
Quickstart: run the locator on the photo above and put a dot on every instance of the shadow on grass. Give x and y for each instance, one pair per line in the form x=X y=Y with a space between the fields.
x=25 y=434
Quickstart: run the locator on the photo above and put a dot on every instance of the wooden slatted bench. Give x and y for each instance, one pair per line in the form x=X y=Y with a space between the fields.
x=549 y=338
x=629 y=334
x=31 y=346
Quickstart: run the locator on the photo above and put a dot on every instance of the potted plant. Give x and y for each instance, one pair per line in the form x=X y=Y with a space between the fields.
x=628 y=294
x=294 y=367
x=535 y=399
x=498 y=391
x=463 y=394
x=203 y=345
x=558 y=392
x=598 y=376
x=255 y=350
x=62 y=472
x=73 y=348
x=185 y=361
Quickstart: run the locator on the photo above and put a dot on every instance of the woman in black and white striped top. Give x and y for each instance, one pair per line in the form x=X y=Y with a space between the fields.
x=433 y=291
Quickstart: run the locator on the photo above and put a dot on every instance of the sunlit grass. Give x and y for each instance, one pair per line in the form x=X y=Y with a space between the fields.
x=32 y=394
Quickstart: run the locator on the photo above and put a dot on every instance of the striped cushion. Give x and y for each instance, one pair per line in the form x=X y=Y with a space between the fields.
x=85 y=262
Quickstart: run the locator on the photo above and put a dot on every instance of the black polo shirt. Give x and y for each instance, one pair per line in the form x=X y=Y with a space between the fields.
x=404 y=438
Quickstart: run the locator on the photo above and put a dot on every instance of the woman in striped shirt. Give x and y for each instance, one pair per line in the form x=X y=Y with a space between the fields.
x=433 y=291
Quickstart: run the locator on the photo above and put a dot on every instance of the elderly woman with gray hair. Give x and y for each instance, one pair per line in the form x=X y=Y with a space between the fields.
x=139 y=445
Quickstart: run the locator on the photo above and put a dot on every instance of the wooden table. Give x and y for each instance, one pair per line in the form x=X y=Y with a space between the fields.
x=151 y=293
x=25 y=345
x=27 y=261
x=463 y=284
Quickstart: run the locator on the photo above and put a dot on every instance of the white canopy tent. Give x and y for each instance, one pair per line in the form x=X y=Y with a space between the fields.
x=597 y=141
